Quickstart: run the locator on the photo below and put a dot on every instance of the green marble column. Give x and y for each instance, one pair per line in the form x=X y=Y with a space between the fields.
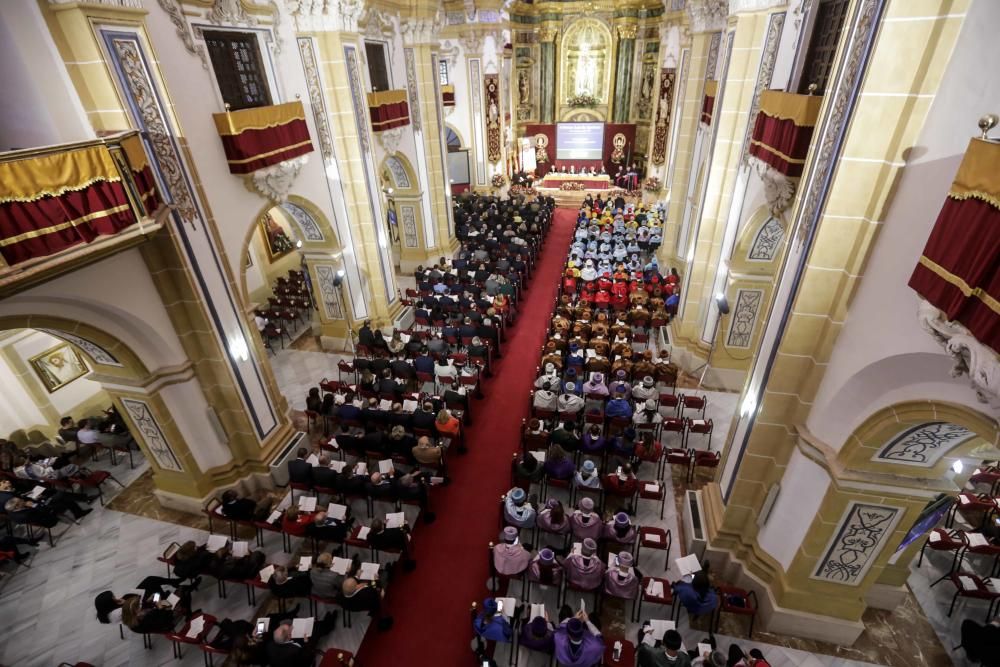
x=623 y=73
x=547 y=109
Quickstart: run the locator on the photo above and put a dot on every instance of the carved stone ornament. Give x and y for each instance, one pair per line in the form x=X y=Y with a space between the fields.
x=230 y=12
x=708 y=15
x=779 y=190
x=176 y=14
x=548 y=34
x=972 y=358
x=420 y=31
x=626 y=31
x=323 y=15
x=390 y=139
x=739 y=6
x=275 y=182
x=472 y=44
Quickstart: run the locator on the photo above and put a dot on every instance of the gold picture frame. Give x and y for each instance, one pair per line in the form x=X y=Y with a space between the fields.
x=58 y=366
x=277 y=235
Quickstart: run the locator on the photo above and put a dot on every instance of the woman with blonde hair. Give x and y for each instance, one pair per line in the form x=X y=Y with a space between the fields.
x=447 y=425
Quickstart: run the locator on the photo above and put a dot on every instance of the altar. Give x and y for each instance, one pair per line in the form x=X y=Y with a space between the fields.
x=588 y=181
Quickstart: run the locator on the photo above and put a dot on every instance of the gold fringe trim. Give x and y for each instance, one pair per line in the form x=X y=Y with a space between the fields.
x=711 y=88
x=232 y=123
x=135 y=153
x=60 y=191
x=992 y=200
x=261 y=156
x=63 y=225
x=769 y=149
x=381 y=97
x=51 y=175
x=979 y=174
x=968 y=291
x=803 y=110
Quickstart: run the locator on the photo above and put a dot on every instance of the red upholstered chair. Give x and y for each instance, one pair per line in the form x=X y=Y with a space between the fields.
x=655 y=490
x=335 y=657
x=681 y=459
x=652 y=537
x=676 y=425
x=969 y=585
x=671 y=401
x=180 y=637
x=698 y=403
x=986 y=476
x=348 y=368
x=940 y=539
x=667 y=598
x=978 y=544
x=970 y=505
x=704 y=460
x=733 y=600
x=700 y=427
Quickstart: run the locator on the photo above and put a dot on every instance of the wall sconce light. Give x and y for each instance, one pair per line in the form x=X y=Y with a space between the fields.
x=957 y=467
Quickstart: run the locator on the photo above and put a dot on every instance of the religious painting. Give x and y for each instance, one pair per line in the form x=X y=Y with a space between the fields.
x=647 y=87
x=59 y=366
x=541 y=148
x=277 y=236
x=663 y=115
x=491 y=83
x=586 y=63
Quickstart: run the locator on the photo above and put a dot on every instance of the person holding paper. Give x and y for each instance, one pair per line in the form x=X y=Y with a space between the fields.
x=299 y=470
x=325 y=477
x=382 y=538
x=427 y=453
x=325 y=582
x=578 y=642
x=237 y=508
x=325 y=528
x=295 y=522
x=229 y=566
x=191 y=561
x=158 y=617
x=698 y=596
x=286 y=651
x=538 y=634
x=285 y=585
x=667 y=654
x=491 y=624
x=358 y=596
x=622 y=580
x=620 y=530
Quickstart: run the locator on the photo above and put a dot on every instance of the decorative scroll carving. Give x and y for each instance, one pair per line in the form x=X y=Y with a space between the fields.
x=767 y=241
x=411 y=88
x=971 y=357
x=310 y=230
x=748 y=302
x=775 y=24
x=923 y=445
x=93 y=350
x=176 y=14
x=275 y=182
x=409 y=218
x=779 y=190
x=316 y=101
x=420 y=31
x=713 y=55
x=360 y=103
x=864 y=530
x=156 y=443
x=390 y=139
x=328 y=292
x=627 y=31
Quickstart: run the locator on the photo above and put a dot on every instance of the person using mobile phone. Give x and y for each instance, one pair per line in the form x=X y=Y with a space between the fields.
x=491 y=624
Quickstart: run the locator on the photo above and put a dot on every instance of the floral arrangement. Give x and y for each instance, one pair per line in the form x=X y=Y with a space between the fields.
x=614 y=193
x=652 y=184
x=499 y=180
x=572 y=185
x=583 y=100
x=523 y=190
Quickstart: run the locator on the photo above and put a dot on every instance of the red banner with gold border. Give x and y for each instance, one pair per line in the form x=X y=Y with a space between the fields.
x=661 y=127
x=448 y=95
x=263 y=136
x=959 y=270
x=491 y=88
x=54 y=201
x=142 y=173
x=708 y=104
x=784 y=129
x=388 y=109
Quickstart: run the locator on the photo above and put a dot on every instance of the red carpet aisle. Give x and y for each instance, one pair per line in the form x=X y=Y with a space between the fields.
x=431 y=604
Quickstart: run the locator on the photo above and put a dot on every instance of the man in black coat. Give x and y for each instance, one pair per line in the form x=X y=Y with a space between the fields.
x=299 y=470
x=365 y=334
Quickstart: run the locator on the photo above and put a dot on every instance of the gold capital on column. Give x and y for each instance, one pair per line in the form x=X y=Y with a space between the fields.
x=548 y=34
x=627 y=31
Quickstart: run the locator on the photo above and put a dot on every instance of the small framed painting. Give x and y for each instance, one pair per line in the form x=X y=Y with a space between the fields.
x=277 y=237
x=59 y=366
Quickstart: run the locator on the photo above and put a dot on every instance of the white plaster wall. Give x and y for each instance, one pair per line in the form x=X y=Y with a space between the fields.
x=397 y=78
x=116 y=295
x=17 y=410
x=32 y=75
x=189 y=409
x=881 y=342
x=802 y=490
x=63 y=399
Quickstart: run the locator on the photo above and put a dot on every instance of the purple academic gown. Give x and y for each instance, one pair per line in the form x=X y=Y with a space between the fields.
x=587 y=653
x=544 y=523
x=535 y=573
x=586 y=526
x=621 y=584
x=529 y=641
x=612 y=536
x=584 y=572
x=510 y=558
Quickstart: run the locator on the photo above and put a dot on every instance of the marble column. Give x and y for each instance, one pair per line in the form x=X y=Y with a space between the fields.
x=623 y=72
x=547 y=109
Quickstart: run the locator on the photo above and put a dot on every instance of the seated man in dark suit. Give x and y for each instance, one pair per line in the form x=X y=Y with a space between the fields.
x=285 y=585
x=380 y=487
x=456 y=395
x=299 y=470
x=425 y=416
x=402 y=369
x=67 y=429
x=348 y=411
x=374 y=441
x=387 y=385
x=424 y=362
x=379 y=365
x=365 y=334
x=326 y=477
x=236 y=508
x=328 y=529
x=467 y=330
x=392 y=539
x=288 y=652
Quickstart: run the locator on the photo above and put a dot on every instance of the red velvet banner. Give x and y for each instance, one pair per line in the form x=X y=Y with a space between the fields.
x=146 y=185
x=706 y=109
x=781 y=144
x=50 y=224
x=448 y=98
x=390 y=115
x=254 y=149
x=610 y=130
x=959 y=271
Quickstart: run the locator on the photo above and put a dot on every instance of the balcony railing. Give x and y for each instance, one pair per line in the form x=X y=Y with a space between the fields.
x=263 y=136
x=66 y=205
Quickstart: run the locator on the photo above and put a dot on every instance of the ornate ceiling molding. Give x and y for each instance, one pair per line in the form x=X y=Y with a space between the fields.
x=747 y=6
x=230 y=12
x=420 y=31
x=971 y=357
x=176 y=15
x=708 y=15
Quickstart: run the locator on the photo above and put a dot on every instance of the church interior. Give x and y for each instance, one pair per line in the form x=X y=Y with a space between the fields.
x=370 y=333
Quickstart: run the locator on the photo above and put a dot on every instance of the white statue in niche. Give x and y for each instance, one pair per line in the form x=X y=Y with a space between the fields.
x=586 y=71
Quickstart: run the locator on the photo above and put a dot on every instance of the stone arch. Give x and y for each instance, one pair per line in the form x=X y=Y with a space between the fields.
x=760 y=242
x=449 y=132
x=397 y=172
x=920 y=439
x=313 y=228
